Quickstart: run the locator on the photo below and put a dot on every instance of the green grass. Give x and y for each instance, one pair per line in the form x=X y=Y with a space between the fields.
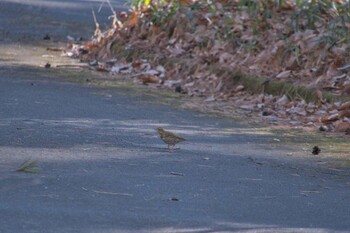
x=28 y=166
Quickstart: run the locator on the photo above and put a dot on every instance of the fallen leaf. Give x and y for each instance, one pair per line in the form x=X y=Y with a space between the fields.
x=239 y=88
x=330 y=118
x=133 y=19
x=247 y=107
x=344 y=106
x=145 y=79
x=283 y=74
x=171 y=83
x=121 y=68
x=191 y=84
x=344 y=113
x=136 y=64
x=341 y=126
x=210 y=99
x=283 y=100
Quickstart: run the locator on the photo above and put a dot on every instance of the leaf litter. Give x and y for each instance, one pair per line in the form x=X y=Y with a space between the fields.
x=236 y=55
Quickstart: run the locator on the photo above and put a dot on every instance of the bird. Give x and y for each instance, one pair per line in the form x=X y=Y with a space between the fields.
x=169 y=138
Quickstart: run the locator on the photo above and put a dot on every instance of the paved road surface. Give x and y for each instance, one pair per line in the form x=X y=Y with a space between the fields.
x=103 y=168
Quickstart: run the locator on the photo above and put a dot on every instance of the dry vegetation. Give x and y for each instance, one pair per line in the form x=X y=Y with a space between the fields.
x=286 y=61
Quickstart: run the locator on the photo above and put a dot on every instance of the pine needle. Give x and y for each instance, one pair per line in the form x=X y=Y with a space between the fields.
x=28 y=166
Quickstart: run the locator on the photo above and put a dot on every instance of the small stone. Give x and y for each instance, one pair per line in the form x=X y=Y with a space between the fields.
x=265 y=113
x=239 y=88
x=47 y=37
x=316 y=150
x=178 y=89
x=283 y=100
x=210 y=99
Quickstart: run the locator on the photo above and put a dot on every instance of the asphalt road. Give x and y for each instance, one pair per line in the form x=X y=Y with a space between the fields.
x=102 y=167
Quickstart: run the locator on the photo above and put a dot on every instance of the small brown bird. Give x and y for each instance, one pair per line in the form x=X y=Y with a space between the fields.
x=169 y=138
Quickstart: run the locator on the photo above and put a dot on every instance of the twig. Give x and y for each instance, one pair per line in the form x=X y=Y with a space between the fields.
x=72 y=66
x=344 y=67
x=97 y=25
x=112 y=193
x=55 y=49
x=100 y=8
x=114 y=16
x=176 y=174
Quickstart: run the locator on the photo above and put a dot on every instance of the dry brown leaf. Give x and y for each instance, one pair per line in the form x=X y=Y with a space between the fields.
x=133 y=19
x=329 y=118
x=287 y=5
x=136 y=64
x=146 y=79
x=91 y=46
x=341 y=126
x=344 y=106
x=344 y=113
